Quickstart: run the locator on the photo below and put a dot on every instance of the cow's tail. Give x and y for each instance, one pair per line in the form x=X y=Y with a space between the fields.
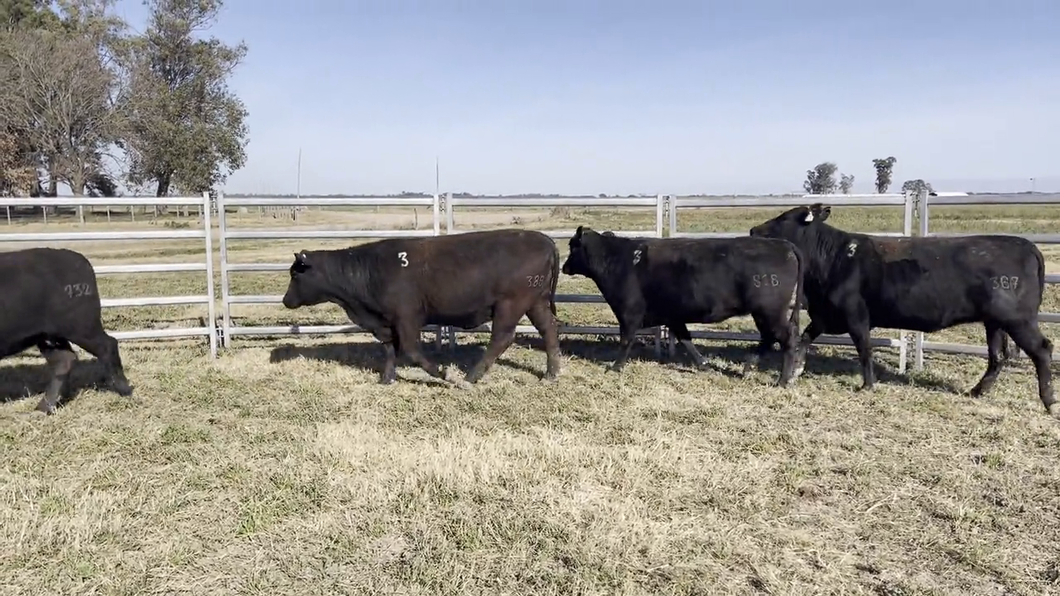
x=797 y=297
x=555 y=280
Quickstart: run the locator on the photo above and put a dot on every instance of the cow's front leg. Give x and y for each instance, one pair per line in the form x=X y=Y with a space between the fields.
x=389 y=373
x=408 y=337
x=629 y=335
x=809 y=335
x=388 y=338
x=685 y=337
x=860 y=333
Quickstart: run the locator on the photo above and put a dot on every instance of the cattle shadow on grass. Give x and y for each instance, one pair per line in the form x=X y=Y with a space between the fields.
x=28 y=380
x=605 y=351
x=370 y=357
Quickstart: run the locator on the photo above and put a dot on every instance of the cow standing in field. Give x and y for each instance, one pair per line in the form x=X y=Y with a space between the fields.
x=676 y=281
x=394 y=287
x=856 y=282
x=49 y=298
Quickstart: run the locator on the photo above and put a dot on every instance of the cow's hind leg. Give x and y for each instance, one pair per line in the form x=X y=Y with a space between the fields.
x=105 y=348
x=390 y=348
x=765 y=344
x=1029 y=338
x=787 y=334
x=682 y=334
x=501 y=336
x=60 y=356
x=541 y=318
x=996 y=346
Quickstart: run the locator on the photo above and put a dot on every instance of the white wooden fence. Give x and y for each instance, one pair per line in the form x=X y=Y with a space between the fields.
x=219 y=328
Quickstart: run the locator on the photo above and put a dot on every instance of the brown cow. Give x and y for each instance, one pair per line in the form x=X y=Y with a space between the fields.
x=394 y=287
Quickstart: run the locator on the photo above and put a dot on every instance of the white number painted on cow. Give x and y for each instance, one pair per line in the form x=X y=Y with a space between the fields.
x=78 y=290
x=1005 y=282
x=535 y=281
x=403 y=256
x=852 y=248
x=636 y=256
x=769 y=279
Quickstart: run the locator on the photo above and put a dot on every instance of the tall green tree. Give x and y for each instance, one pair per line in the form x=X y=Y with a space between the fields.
x=56 y=97
x=846 y=183
x=27 y=14
x=884 y=168
x=186 y=131
x=821 y=179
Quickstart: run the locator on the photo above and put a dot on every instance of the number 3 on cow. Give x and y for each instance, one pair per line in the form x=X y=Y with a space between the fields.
x=1005 y=282
x=534 y=281
x=403 y=257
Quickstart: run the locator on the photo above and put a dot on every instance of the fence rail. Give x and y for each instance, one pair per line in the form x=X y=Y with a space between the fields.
x=206 y=265
x=444 y=210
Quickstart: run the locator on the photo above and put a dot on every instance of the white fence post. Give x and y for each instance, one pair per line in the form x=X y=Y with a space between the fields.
x=211 y=309
x=222 y=240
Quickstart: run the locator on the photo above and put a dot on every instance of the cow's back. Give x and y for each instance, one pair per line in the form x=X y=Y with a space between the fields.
x=461 y=276
x=43 y=289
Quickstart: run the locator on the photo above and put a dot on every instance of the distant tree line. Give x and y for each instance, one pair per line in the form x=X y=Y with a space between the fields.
x=87 y=103
x=821 y=180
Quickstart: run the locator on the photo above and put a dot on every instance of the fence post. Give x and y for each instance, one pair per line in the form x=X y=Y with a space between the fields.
x=671 y=343
x=211 y=308
x=222 y=232
x=436 y=225
x=450 y=331
x=922 y=207
x=907 y=231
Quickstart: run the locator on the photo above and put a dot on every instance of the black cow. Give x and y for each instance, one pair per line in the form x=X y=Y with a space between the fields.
x=675 y=281
x=856 y=282
x=49 y=299
x=394 y=287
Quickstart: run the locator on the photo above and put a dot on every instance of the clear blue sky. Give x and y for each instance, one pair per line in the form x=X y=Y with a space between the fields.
x=656 y=96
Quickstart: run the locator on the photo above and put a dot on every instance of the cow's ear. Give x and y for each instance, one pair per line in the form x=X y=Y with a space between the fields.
x=821 y=212
x=578 y=232
x=608 y=233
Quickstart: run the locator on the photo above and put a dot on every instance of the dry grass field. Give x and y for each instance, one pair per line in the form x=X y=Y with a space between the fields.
x=283 y=468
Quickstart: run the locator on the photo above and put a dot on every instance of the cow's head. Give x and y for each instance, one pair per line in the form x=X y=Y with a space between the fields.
x=307 y=285
x=584 y=251
x=790 y=224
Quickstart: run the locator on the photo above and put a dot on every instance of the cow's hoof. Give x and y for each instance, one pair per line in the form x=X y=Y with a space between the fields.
x=385 y=380
x=1054 y=410
x=46 y=408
